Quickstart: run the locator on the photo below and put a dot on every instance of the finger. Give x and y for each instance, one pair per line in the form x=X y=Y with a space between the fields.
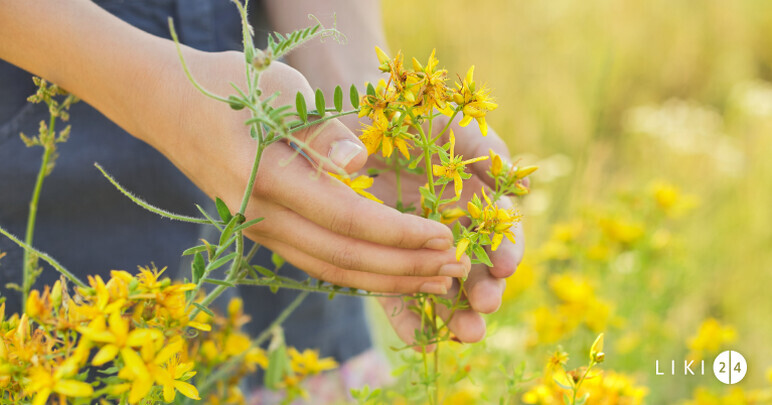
x=333 y=205
x=329 y=144
x=483 y=290
x=470 y=143
x=509 y=255
x=403 y=321
x=354 y=254
x=467 y=324
x=356 y=279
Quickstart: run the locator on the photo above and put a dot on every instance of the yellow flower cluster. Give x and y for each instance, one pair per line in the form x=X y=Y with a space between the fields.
x=710 y=338
x=584 y=384
x=490 y=222
x=578 y=305
x=413 y=94
x=136 y=331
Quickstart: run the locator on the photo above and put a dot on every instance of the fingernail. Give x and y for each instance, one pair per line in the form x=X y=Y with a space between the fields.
x=438 y=244
x=452 y=270
x=434 y=287
x=342 y=152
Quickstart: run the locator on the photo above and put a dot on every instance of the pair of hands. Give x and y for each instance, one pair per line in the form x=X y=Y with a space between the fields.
x=315 y=222
x=322 y=226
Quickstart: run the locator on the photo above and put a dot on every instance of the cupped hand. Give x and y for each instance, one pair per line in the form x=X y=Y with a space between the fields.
x=311 y=219
x=485 y=285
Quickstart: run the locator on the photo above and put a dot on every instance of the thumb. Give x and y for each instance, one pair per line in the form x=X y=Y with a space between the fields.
x=332 y=146
x=329 y=144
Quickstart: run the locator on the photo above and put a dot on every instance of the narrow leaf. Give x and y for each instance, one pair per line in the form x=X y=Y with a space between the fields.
x=198 y=267
x=319 y=102
x=203 y=308
x=354 y=96
x=300 y=104
x=222 y=210
x=277 y=261
x=338 y=99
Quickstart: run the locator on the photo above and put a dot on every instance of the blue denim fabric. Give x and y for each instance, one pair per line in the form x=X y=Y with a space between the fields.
x=91 y=228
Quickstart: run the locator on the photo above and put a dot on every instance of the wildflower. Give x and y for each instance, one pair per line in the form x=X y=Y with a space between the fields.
x=172 y=377
x=452 y=167
x=115 y=336
x=710 y=337
x=474 y=103
x=596 y=350
x=380 y=136
x=44 y=382
x=359 y=185
x=433 y=89
x=451 y=214
x=309 y=363
x=493 y=220
x=463 y=243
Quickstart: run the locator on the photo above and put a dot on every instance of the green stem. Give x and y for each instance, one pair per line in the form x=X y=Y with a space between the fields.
x=232 y=273
x=185 y=66
x=151 y=208
x=320 y=120
x=253 y=174
x=450 y=121
x=226 y=368
x=33 y=210
x=46 y=258
x=579 y=384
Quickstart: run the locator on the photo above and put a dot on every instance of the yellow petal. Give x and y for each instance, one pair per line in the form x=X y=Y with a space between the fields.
x=169 y=393
x=200 y=326
x=134 y=363
x=452 y=144
x=457 y=183
x=474 y=211
x=362 y=182
x=461 y=248
x=138 y=337
x=73 y=388
x=186 y=389
x=497 y=238
x=438 y=170
x=140 y=389
x=465 y=121
x=388 y=146
x=41 y=397
x=368 y=196
x=483 y=126
x=174 y=347
x=105 y=354
x=382 y=56
x=402 y=146
x=470 y=75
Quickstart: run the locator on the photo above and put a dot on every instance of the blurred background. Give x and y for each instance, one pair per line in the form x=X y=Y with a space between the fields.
x=650 y=217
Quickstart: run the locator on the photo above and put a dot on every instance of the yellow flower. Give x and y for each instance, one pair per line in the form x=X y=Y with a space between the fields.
x=474 y=103
x=309 y=363
x=493 y=220
x=453 y=166
x=431 y=87
x=710 y=337
x=461 y=247
x=172 y=377
x=380 y=136
x=596 y=350
x=359 y=185
x=44 y=382
x=451 y=214
x=115 y=336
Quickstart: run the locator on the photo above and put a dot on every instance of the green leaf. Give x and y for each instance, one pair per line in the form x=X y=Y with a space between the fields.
x=247 y=224
x=264 y=271
x=370 y=90
x=218 y=282
x=229 y=230
x=198 y=267
x=222 y=209
x=203 y=308
x=195 y=249
x=481 y=255
x=565 y=387
x=338 y=99
x=320 y=102
x=428 y=195
x=278 y=366
x=353 y=94
x=300 y=105
x=219 y=262
x=277 y=261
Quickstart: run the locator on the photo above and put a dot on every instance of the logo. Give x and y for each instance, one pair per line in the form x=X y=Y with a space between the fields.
x=730 y=367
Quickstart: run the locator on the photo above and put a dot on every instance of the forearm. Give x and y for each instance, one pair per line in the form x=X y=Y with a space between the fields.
x=129 y=75
x=330 y=64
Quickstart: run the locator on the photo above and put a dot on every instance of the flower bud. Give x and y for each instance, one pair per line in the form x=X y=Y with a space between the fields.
x=474 y=210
